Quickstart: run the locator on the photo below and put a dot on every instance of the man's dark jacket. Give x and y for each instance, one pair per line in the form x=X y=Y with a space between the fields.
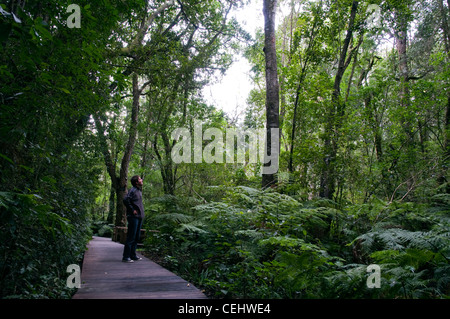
x=133 y=201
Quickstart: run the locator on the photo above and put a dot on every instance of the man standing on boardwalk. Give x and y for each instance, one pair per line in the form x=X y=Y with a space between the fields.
x=135 y=216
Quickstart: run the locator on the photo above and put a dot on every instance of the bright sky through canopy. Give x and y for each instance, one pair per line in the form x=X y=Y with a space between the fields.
x=231 y=91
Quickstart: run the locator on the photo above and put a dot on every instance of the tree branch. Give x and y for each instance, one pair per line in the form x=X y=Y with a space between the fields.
x=144 y=27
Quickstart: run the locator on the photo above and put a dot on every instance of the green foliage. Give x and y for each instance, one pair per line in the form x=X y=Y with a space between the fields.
x=391 y=205
x=411 y=244
x=52 y=79
x=262 y=244
x=37 y=246
x=102 y=228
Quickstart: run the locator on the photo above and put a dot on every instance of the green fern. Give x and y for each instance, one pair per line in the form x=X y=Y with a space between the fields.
x=173 y=218
x=442 y=280
x=398 y=239
x=191 y=228
x=297 y=243
x=406 y=282
x=251 y=242
x=251 y=234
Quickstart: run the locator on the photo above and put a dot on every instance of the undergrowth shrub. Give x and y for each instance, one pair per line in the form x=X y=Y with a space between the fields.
x=38 y=240
x=249 y=243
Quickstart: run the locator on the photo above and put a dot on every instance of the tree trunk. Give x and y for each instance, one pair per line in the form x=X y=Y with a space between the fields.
x=112 y=195
x=272 y=89
x=375 y=125
x=406 y=116
x=446 y=153
x=168 y=172
x=119 y=183
x=121 y=188
x=370 y=111
x=401 y=37
x=335 y=115
x=297 y=94
x=110 y=165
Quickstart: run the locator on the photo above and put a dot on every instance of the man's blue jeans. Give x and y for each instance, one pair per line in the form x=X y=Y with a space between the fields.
x=133 y=236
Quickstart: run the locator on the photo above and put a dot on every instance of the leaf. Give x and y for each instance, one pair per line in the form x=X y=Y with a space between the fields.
x=6 y=158
x=191 y=229
x=27 y=168
x=5 y=199
x=175 y=217
x=65 y=90
x=40 y=27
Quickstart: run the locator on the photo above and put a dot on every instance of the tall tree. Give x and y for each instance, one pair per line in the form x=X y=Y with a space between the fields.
x=446 y=35
x=310 y=56
x=135 y=51
x=201 y=45
x=272 y=91
x=336 y=112
x=401 y=25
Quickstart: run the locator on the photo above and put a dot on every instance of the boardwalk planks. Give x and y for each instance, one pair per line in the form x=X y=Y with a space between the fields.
x=105 y=276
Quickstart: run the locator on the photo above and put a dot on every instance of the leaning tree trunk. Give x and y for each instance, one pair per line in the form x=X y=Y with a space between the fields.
x=121 y=188
x=120 y=182
x=272 y=90
x=335 y=116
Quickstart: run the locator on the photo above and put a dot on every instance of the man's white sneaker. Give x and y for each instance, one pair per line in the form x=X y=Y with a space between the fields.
x=128 y=260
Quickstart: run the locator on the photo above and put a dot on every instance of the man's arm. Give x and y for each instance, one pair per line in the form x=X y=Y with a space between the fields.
x=128 y=201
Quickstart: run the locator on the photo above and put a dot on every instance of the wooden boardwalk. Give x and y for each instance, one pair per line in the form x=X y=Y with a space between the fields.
x=105 y=276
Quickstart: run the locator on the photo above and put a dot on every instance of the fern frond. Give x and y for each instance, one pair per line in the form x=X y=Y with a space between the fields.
x=398 y=239
x=297 y=243
x=442 y=277
x=190 y=228
x=174 y=217
x=249 y=233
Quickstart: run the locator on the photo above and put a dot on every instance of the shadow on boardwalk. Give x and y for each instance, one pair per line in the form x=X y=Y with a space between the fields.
x=105 y=276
